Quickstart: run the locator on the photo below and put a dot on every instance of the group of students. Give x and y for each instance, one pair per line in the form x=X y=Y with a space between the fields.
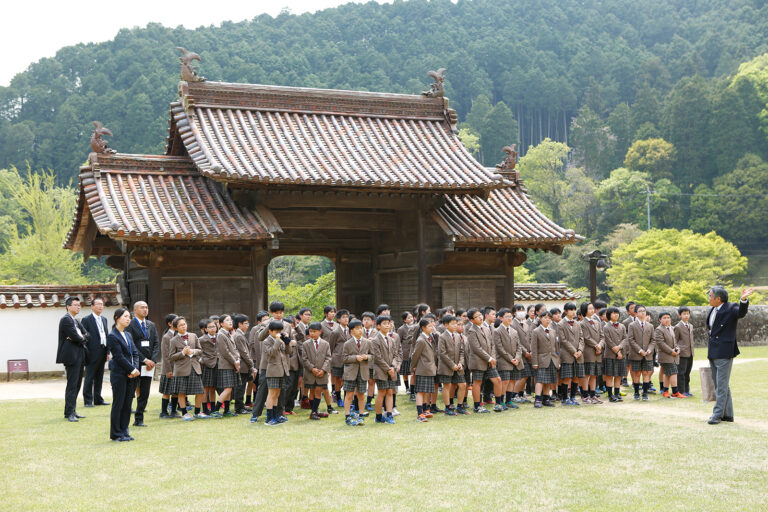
x=500 y=357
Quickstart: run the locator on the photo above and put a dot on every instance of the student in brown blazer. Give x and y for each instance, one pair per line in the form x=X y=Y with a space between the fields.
x=385 y=366
x=450 y=367
x=329 y=322
x=247 y=370
x=256 y=344
x=669 y=354
x=419 y=311
x=684 y=337
x=405 y=348
x=571 y=355
x=209 y=360
x=339 y=336
x=545 y=347
x=524 y=330
x=229 y=363
x=316 y=365
x=641 y=348
x=277 y=348
x=184 y=353
x=482 y=360
x=303 y=319
x=594 y=345
x=631 y=314
x=614 y=356
x=509 y=351
x=369 y=332
x=356 y=356
x=424 y=367
x=291 y=381
x=167 y=371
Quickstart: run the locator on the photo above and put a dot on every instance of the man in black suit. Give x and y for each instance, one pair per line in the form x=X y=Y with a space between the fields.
x=72 y=353
x=147 y=344
x=96 y=325
x=722 y=319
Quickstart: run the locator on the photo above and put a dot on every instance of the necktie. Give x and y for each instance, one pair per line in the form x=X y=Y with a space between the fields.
x=358 y=344
x=570 y=322
x=642 y=325
x=315 y=345
x=144 y=328
x=546 y=331
x=689 y=328
x=509 y=332
x=346 y=334
x=616 y=325
x=330 y=324
x=101 y=330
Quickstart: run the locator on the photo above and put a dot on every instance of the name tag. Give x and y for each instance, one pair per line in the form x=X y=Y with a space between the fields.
x=145 y=343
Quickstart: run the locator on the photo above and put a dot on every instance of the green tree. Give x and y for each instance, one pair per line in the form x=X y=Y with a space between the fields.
x=594 y=144
x=470 y=139
x=499 y=129
x=314 y=295
x=543 y=171
x=647 y=267
x=655 y=157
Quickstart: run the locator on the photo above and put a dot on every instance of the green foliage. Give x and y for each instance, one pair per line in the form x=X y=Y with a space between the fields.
x=543 y=171
x=315 y=295
x=299 y=270
x=656 y=265
x=470 y=139
x=655 y=157
x=595 y=145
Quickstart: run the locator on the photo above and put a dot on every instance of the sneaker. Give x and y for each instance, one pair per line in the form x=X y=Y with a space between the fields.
x=340 y=403
x=187 y=417
x=428 y=414
x=229 y=414
x=622 y=392
x=395 y=412
x=568 y=402
x=351 y=421
x=666 y=394
x=389 y=419
x=289 y=413
x=461 y=410
x=282 y=419
x=619 y=399
x=596 y=400
x=165 y=416
x=517 y=400
x=435 y=409
x=498 y=408
x=422 y=418
x=363 y=414
x=687 y=394
x=624 y=383
x=652 y=390
x=511 y=405
x=412 y=398
x=242 y=410
x=216 y=414
x=360 y=422
x=377 y=420
x=314 y=416
x=369 y=406
x=678 y=395
x=331 y=410
x=482 y=410
x=636 y=396
x=272 y=423
x=564 y=402
x=548 y=403
x=254 y=419
x=645 y=397
x=613 y=399
x=322 y=414
x=202 y=416
x=537 y=404
x=450 y=412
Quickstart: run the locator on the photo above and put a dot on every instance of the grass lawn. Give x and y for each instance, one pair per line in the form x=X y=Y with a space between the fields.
x=657 y=455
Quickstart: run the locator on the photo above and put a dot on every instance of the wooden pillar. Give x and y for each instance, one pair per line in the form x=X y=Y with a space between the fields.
x=260 y=257
x=339 y=288
x=157 y=310
x=509 y=280
x=424 y=277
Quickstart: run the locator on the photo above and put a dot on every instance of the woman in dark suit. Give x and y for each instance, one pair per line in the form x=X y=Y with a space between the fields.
x=123 y=370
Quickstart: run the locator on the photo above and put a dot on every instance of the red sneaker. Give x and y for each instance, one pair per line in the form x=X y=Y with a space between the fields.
x=305 y=403
x=428 y=414
x=322 y=414
x=666 y=394
x=289 y=413
x=679 y=395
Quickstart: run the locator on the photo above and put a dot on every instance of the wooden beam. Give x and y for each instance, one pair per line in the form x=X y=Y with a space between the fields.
x=339 y=276
x=320 y=219
x=157 y=310
x=260 y=258
x=509 y=280
x=424 y=281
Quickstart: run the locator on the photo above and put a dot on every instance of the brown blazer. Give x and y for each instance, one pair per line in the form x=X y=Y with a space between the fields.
x=300 y=335
x=423 y=357
x=257 y=345
x=405 y=340
x=524 y=331
x=320 y=359
x=615 y=335
x=353 y=367
x=209 y=357
x=184 y=365
x=339 y=336
x=328 y=328
x=166 y=365
x=545 y=347
x=371 y=334
x=481 y=345
x=384 y=355
x=246 y=362
x=665 y=342
x=398 y=350
x=640 y=339
x=592 y=330
x=627 y=321
x=410 y=340
x=508 y=347
x=684 y=336
x=278 y=355
x=450 y=352
x=226 y=350
x=571 y=341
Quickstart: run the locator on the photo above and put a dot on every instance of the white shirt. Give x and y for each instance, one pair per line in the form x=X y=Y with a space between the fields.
x=713 y=315
x=101 y=328
x=77 y=327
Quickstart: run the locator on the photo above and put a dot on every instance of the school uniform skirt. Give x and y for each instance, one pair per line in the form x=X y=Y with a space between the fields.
x=547 y=375
x=192 y=384
x=209 y=377
x=614 y=367
x=386 y=384
x=490 y=373
x=507 y=374
x=424 y=384
x=595 y=369
x=245 y=378
x=227 y=378
x=670 y=368
x=275 y=383
x=359 y=385
x=526 y=372
x=337 y=371
x=165 y=385
x=405 y=367
x=567 y=370
x=642 y=365
x=455 y=378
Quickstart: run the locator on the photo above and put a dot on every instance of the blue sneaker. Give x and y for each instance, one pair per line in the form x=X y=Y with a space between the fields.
x=254 y=419
x=389 y=419
x=340 y=403
x=272 y=423
x=368 y=407
x=282 y=419
x=377 y=420
x=351 y=421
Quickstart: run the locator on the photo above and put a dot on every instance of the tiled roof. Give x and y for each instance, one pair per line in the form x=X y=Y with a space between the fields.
x=151 y=198
x=288 y=135
x=506 y=218
x=532 y=292
x=34 y=295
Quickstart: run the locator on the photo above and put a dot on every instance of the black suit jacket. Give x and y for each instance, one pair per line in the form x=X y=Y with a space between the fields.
x=95 y=351
x=152 y=351
x=125 y=358
x=71 y=349
x=722 y=336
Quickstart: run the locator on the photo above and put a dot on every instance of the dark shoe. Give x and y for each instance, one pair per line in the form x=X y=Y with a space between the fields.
x=728 y=419
x=314 y=416
x=72 y=418
x=103 y=403
x=714 y=420
x=645 y=397
x=548 y=403
x=243 y=411
x=322 y=414
x=124 y=439
x=637 y=396
x=612 y=399
x=78 y=416
x=537 y=404
x=139 y=424
x=89 y=405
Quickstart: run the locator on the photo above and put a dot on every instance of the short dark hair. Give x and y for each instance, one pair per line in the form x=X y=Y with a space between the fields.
x=276 y=306
x=354 y=323
x=583 y=308
x=630 y=303
x=569 y=306
x=538 y=307
x=683 y=309
x=342 y=312
x=118 y=313
x=71 y=299
x=178 y=319
x=430 y=316
x=215 y=318
x=202 y=324
x=471 y=313
x=368 y=314
x=447 y=319
x=315 y=326
x=239 y=319
x=555 y=311
x=420 y=310
x=518 y=307
x=425 y=322
x=260 y=315
x=488 y=309
x=304 y=310
x=222 y=317
x=405 y=315
x=663 y=314
x=382 y=307
x=720 y=291
x=638 y=306
x=460 y=312
x=545 y=313
x=275 y=325
x=600 y=304
x=382 y=318
x=503 y=311
x=601 y=312
x=611 y=310
x=328 y=309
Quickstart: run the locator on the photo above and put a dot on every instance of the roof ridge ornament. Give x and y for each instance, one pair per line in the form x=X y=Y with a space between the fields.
x=437 y=89
x=188 y=73
x=99 y=145
x=506 y=167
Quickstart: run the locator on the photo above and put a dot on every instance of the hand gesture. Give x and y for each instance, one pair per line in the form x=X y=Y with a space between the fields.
x=149 y=364
x=746 y=293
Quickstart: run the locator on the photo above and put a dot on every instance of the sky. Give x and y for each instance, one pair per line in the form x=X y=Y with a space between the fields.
x=33 y=29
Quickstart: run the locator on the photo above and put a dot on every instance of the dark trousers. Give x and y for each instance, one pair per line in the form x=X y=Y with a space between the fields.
x=684 y=374
x=289 y=391
x=261 y=394
x=123 y=390
x=74 y=381
x=144 y=384
x=239 y=391
x=94 y=377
